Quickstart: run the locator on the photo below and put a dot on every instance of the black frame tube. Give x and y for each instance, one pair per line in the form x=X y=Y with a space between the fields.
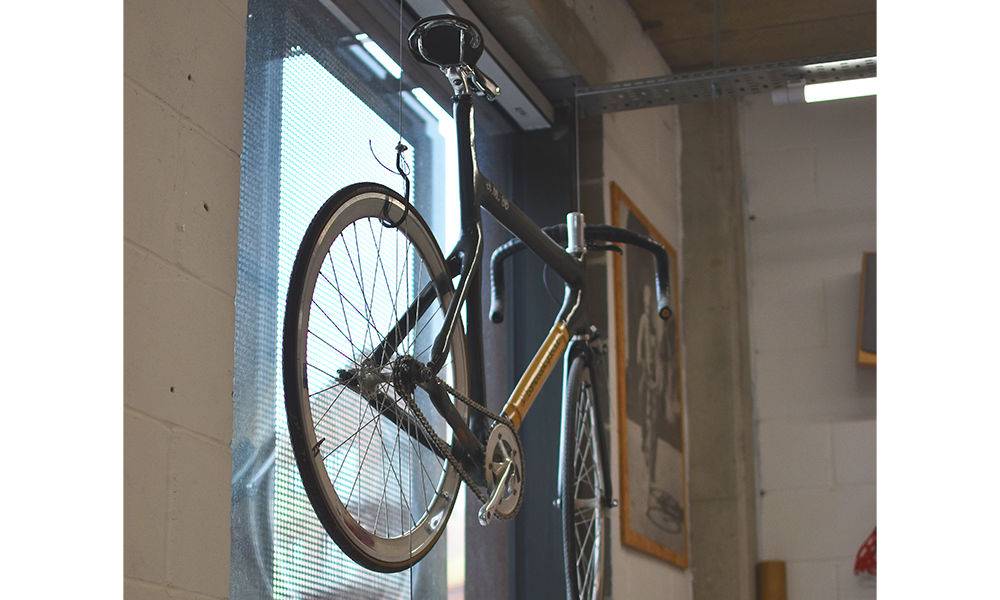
x=475 y=193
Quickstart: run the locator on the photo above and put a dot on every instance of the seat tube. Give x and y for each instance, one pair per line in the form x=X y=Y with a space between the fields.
x=472 y=238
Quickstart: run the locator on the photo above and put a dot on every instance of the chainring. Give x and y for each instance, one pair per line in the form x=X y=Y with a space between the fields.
x=502 y=444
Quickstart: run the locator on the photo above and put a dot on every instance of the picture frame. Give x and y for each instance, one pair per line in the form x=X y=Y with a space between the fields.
x=867 y=329
x=652 y=458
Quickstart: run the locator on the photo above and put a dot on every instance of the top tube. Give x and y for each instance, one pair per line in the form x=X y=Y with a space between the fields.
x=477 y=191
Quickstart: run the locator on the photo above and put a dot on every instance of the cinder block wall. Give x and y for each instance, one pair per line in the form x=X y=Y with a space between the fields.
x=183 y=123
x=810 y=206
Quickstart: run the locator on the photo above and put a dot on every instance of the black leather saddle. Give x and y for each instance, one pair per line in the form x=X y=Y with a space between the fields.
x=446 y=41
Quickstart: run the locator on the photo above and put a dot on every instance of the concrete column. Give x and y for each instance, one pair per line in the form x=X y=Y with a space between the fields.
x=715 y=322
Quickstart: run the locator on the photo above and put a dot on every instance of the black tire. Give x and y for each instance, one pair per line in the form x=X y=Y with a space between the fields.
x=582 y=486
x=382 y=495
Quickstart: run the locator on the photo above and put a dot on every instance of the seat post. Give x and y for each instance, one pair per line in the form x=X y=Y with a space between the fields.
x=468 y=169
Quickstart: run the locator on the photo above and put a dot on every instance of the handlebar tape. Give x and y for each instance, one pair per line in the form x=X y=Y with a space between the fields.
x=592 y=233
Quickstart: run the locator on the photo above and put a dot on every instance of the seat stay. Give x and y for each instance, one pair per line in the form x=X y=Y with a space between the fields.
x=469 y=251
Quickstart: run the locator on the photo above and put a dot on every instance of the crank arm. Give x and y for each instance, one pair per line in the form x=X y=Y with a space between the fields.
x=487 y=511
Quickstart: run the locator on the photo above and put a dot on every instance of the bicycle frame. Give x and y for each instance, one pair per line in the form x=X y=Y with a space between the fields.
x=477 y=192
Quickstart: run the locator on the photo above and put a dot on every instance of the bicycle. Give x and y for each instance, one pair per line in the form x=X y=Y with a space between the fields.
x=384 y=384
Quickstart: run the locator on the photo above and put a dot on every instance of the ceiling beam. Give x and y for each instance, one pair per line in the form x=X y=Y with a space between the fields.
x=732 y=82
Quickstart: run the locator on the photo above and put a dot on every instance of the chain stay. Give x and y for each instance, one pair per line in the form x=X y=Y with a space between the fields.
x=440 y=444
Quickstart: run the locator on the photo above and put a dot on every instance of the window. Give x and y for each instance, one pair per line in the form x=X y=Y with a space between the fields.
x=319 y=109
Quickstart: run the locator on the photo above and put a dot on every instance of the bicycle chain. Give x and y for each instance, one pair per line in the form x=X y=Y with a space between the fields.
x=500 y=418
x=439 y=443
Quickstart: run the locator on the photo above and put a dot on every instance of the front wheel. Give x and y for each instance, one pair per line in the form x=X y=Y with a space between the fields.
x=367 y=294
x=582 y=486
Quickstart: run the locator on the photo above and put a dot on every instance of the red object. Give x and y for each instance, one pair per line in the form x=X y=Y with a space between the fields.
x=865 y=563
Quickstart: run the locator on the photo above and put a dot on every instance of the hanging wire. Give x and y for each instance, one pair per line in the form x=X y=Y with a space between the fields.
x=716 y=33
x=402 y=168
x=576 y=124
x=400 y=162
x=400 y=59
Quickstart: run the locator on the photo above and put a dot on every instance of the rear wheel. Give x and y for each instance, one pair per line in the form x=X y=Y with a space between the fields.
x=582 y=486
x=368 y=292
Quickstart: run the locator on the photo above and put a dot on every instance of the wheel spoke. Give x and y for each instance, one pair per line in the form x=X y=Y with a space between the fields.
x=365 y=314
x=583 y=512
x=340 y=394
x=367 y=292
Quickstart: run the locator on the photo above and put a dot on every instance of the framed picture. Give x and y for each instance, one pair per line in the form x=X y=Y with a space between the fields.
x=866 y=313
x=650 y=407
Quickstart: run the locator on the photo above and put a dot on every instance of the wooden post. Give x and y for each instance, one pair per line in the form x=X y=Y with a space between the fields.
x=771 y=583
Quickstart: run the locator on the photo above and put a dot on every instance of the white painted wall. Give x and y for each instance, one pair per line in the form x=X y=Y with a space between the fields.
x=810 y=190
x=183 y=125
x=642 y=155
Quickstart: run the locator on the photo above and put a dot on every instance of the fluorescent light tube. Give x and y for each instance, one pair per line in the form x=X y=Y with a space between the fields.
x=797 y=91
x=835 y=90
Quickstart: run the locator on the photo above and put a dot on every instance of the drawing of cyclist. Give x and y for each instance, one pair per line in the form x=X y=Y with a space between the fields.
x=651 y=377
